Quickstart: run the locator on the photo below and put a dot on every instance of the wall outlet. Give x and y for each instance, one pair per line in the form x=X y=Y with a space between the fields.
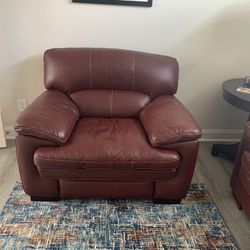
x=21 y=104
x=9 y=132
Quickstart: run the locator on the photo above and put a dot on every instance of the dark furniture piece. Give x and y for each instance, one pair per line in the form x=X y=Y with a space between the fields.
x=239 y=100
x=240 y=181
x=108 y=126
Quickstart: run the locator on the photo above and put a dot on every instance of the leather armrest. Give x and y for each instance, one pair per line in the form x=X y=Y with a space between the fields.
x=52 y=116
x=167 y=121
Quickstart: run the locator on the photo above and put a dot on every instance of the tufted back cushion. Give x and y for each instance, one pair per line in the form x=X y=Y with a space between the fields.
x=110 y=82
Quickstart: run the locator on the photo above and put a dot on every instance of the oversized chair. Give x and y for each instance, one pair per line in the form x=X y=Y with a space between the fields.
x=240 y=180
x=107 y=126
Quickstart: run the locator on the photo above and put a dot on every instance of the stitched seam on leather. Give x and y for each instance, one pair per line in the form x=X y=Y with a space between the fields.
x=127 y=179
x=167 y=138
x=111 y=103
x=170 y=169
x=124 y=179
x=180 y=139
x=90 y=68
x=101 y=162
x=120 y=170
x=187 y=135
x=132 y=84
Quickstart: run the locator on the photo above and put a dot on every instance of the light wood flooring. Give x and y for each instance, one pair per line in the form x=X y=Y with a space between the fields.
x=214 y=172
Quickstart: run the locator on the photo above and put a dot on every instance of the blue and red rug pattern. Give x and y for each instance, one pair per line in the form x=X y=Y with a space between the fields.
x=109 y=224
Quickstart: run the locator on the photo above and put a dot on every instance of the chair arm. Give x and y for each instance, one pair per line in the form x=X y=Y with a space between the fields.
x=52 y=116
x=167 y=121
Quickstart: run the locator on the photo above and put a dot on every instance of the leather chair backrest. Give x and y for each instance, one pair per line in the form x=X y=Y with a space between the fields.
x=110 y=82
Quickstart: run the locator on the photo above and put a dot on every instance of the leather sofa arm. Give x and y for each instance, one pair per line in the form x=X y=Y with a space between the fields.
x=167 y=121
x=52 y=116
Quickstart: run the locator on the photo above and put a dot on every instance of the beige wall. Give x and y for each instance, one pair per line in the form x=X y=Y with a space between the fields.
x=210 y=38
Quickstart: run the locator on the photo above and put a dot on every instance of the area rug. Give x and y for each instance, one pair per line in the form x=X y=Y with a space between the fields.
x=113 y=224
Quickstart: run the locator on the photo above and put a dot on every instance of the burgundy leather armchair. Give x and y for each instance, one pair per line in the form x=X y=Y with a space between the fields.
x=108 y=126
x=240 y=180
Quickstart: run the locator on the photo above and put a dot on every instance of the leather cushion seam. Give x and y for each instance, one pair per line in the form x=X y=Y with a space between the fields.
x=103 y=162
x=168 y=170
x=169 y=139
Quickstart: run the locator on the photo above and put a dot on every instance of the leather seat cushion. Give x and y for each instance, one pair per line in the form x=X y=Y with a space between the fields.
x=107 y=149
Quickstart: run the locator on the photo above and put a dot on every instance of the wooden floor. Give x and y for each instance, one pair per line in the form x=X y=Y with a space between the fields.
x=214 y=172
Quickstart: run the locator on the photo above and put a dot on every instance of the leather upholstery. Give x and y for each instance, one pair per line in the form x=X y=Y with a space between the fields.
x=107 y=189
x=109 y=103
x=111 y=146
x=167 y=121
x=240 y=180
x=244 y=173
x=177 y=187
x=108 y=126
x=71 y=70
x=52 y=116
x=33 y=183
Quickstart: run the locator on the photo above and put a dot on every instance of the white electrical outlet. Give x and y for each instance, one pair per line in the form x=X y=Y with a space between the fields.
x=9 y=132
x=21 y=104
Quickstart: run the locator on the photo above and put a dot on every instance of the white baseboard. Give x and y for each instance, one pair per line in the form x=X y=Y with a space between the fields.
x=208 y=135
x=221 y=135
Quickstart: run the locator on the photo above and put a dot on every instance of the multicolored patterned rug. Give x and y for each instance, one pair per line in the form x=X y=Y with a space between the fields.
x=109 y=224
